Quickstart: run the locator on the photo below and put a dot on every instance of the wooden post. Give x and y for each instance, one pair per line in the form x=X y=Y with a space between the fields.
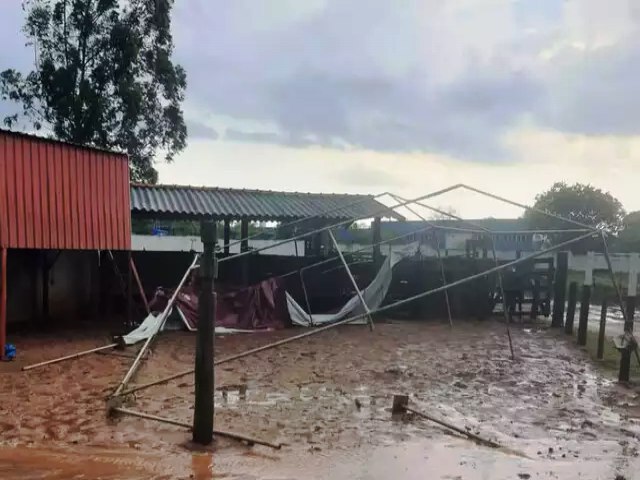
x=560 y=289
x=227 y=236
x=603 y=324
x=45 y=288
x=204 y=381
x=571 y=308
x=583 y=323
x=377 y=238
x=244 y=233
x=244 y=247
x=400 y=404
x=129 y=289
x=625 y=360
x=3 y=301
x=535 y=301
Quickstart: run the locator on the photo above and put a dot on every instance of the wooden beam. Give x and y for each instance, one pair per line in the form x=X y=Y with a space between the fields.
x=203 y=408
x=3 y=301
x=227 y=236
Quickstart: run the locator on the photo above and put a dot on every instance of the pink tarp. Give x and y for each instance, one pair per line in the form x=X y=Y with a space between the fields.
x=258 y=307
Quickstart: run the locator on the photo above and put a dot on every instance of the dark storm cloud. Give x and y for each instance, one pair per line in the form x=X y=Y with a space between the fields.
x=369 y=74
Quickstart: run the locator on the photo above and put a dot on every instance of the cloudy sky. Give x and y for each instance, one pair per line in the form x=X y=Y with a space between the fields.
x=406 y=96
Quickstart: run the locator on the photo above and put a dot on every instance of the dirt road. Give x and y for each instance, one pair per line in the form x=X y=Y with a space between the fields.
x=328 y=397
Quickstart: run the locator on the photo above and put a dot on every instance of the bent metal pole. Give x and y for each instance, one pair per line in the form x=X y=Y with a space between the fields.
x=442 y=271
x=382 y=211
x=358 y=317
x=353 y=280
x=318 y=214
x=163 y=318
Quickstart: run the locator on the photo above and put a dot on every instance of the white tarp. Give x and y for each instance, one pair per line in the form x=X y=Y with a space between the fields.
x=151 y=324
x=374 y=294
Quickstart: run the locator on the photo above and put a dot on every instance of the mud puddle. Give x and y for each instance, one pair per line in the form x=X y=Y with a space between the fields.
x=328 y=399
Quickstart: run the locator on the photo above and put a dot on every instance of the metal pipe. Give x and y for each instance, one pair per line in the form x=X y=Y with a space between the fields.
x=164 y=314
x=178 y=423
x=338 y=224
x=526 y=207
x=359 y=316
x=442 y=271
x=302 y=220
x=353 y=281
x=69 y=357
x=139 y=283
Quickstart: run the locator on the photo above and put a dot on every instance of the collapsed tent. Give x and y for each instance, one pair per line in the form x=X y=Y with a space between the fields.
x=374 y=294
x=263 y=306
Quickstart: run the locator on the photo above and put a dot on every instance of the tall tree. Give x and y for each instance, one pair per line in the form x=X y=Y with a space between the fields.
x=579 y=202
x=629 y=238
x=104 y=77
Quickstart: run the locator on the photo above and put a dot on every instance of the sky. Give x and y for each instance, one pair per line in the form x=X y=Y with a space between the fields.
x=406 y=96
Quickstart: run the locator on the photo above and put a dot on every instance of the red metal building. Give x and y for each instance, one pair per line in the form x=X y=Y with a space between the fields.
x=58 y=196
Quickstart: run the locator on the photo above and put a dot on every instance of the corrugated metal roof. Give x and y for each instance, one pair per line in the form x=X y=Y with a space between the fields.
x=189 y=201
x=54 y=195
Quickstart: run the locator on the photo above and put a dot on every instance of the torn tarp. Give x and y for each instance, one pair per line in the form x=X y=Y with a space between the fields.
x=257 y=307
x=374 y=294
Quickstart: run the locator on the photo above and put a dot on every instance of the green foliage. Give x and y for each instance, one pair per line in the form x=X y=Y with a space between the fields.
x=629 y=239
x=103 y=77
x=582 y=203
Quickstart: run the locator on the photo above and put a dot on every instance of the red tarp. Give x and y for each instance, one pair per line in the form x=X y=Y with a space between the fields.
x=260 y=306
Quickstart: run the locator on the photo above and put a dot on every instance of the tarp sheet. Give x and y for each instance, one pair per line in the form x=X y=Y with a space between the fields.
x=257 y=307
x=374 y=294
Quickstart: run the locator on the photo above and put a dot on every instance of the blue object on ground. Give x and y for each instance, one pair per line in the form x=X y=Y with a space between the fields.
x=9 y=351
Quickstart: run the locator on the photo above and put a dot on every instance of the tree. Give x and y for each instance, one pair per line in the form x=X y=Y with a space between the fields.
x=579 y=202
x=629 y=238
x=443 y=216
x=103 y=77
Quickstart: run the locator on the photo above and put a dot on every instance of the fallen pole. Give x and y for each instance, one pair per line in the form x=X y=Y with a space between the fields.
x=401 y=405
x=69 y=357
x=358 y=317
x=353 y=281
x=178 y=423
x=136 y=363
x=134 y=270
x=442 y=271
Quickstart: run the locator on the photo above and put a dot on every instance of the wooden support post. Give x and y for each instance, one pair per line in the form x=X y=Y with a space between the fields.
x=535 y=301
x=625 y=359
x=571 y=308
x=204 y=381
x=583 y=323
x=603 y=324
x=560 y=289
x=244 y=233
x=400 y=404
x=45 y=288
x=227 y=236
x=244 y=247
x=3 y=301
x=129 y=289
x=377 y=238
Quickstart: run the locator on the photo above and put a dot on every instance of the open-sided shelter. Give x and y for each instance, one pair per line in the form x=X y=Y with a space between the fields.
x=56 y=197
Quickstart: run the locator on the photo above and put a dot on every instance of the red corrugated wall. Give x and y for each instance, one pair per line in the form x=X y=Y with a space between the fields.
x=59 y=196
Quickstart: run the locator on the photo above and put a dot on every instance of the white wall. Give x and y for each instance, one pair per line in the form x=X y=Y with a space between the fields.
x=154 y=243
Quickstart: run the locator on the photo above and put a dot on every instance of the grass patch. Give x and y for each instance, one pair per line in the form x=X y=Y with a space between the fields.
x=602 y=287
x=610 y=363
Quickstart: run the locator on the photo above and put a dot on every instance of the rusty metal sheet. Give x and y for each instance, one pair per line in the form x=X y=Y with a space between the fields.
x=55 y=195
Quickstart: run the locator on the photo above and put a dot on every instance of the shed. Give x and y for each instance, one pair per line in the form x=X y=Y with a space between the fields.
x=56 y=196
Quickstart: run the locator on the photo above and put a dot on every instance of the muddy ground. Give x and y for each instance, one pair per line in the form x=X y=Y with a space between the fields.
x=327 y=398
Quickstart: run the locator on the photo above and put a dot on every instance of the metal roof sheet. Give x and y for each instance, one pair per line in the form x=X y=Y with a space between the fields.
x=190 y=201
